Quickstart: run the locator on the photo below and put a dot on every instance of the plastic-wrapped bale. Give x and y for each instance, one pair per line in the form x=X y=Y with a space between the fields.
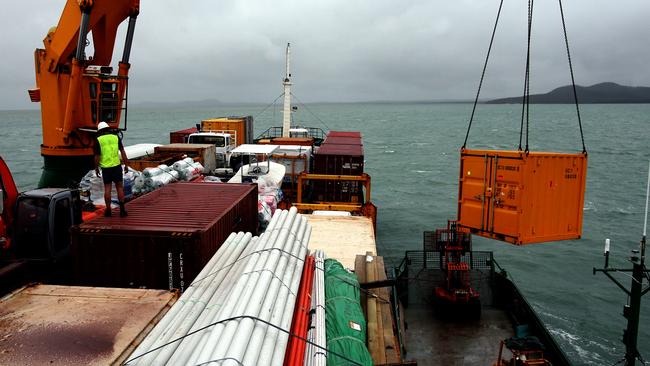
x=94 y=185
x=179 y=165
x=150 y=172
x=162 y=179
x=190 y=172
x=345 y=324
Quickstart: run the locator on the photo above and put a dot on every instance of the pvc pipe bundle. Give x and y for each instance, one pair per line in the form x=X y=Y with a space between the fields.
x=317 y=356
x=261 y=284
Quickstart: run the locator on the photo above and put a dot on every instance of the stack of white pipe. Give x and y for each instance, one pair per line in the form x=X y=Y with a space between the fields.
x=262 y=283
x=315 y=356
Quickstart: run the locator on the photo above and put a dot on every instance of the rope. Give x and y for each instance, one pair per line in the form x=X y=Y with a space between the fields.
x=312 y=113
x=267 y=107
x=573 y=83
x=525 y=104
x=487 y=57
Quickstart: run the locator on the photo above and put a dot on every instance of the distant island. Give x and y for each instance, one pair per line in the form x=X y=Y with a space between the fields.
x=599 y=93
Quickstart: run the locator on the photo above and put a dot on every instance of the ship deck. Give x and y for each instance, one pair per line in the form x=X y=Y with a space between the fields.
x=434 y=341
x=436 y=335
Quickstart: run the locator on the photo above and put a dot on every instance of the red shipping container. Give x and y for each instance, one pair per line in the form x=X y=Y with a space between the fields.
x=344 y=134
x=169 y=235
x=180 y=137
x=339 y=140
x=339 y=160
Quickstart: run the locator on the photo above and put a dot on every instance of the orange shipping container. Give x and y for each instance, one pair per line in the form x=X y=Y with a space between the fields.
x=520 y=197
x=242 y=127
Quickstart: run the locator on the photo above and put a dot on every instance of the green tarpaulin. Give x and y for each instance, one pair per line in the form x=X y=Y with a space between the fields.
x=346 y=326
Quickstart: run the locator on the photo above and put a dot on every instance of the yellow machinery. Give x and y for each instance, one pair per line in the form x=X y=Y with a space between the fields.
x=77 y=91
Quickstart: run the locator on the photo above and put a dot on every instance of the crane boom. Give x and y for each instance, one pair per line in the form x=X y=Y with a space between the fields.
x=77 y=91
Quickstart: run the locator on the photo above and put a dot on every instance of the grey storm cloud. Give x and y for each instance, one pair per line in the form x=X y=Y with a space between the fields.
x=233 y=50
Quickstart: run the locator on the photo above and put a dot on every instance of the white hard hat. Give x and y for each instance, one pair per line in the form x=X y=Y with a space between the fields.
x=102 y=125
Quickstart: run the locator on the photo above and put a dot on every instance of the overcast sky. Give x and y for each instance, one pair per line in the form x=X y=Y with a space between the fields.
x=342 y=50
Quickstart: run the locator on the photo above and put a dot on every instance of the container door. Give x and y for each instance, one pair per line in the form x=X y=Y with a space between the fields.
x=505 y=203
x=475 y=180
x=490 y=195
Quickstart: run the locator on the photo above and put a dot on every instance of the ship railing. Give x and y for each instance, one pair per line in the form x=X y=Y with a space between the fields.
x=276 y=131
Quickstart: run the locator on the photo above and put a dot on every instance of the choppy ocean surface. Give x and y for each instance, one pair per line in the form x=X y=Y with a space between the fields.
x=412 y=155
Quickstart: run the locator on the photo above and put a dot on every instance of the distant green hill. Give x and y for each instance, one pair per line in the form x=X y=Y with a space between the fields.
x=599 y=93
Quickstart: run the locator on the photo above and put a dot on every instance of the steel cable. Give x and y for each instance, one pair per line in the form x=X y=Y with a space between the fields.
x=480 y=84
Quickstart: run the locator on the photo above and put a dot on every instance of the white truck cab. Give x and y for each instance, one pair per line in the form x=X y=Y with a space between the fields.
x=224 y=144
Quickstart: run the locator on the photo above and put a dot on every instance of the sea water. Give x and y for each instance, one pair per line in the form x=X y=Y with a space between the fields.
x=412 y=154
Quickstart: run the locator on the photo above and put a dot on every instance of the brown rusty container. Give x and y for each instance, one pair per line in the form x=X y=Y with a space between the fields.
x=70 y=325
x=344 y=134
x=241 y=127
x=342 y=140
x=169 y=235
x=152 y=161
x=520 y=197
x=339 y=160
x=333 y=159
x=203 y=153
x=180 y=137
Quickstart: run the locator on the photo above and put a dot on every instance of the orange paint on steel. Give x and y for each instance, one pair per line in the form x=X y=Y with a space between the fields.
x=64 y=88
x=295 y=353
x=239 y=126
x=520 y=197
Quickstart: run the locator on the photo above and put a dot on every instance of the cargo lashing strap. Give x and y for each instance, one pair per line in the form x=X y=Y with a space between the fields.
x=526 y=94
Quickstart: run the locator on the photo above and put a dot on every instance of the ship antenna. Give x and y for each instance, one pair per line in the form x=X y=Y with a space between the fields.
x=632 y=310
x=286 y=115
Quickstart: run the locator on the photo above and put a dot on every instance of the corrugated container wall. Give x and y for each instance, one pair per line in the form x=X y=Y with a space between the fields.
x=339 y=160
x=334 y=159
x=520 y=197
x=180 y=137
x=342 y=140
x=169 y=235
x=344 y=134
x=242 y=126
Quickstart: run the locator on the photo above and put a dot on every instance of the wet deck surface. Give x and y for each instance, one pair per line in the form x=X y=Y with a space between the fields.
x=433 y=341
x=63 y=325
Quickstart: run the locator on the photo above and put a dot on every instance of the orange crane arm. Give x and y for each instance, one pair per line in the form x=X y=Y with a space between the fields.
x=104 y=18
x=77 y=91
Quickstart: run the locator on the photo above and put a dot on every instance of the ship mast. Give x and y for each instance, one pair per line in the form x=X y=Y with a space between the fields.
x=286 y=116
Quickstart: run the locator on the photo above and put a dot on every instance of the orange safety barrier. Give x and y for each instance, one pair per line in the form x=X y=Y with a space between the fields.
x=522 y=197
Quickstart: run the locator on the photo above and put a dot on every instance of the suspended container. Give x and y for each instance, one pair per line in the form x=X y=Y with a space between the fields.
x=168 y=237
x=522 y=197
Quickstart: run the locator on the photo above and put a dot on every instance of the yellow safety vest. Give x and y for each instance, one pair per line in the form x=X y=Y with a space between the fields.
x=109 y=151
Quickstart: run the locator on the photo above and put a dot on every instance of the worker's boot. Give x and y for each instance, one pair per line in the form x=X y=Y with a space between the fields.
x=122 y=210
x=107 y=212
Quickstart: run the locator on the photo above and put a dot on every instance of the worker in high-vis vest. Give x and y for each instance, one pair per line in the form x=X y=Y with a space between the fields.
x=108 y=149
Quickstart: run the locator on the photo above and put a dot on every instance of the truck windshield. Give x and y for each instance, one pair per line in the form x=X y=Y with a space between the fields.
x=218 y=141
